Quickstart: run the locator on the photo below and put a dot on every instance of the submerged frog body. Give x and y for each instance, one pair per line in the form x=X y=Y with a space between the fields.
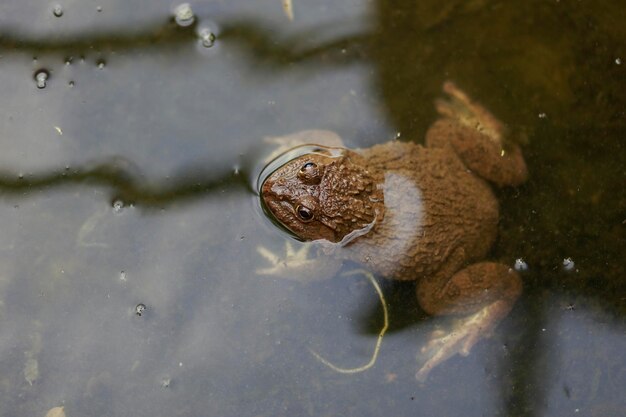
x=412 y=212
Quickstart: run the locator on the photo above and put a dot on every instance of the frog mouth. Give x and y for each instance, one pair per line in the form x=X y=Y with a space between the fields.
x=273 y=211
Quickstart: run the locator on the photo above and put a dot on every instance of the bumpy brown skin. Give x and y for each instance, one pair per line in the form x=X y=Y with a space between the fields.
x=433 y=206
x=431 y=210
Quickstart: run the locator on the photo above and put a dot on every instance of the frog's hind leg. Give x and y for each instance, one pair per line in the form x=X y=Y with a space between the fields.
x=477 y=137
x=483 y=293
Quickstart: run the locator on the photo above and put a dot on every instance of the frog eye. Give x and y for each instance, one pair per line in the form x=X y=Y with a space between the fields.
x=308 y=166
x=310 y=173
x=304 y=213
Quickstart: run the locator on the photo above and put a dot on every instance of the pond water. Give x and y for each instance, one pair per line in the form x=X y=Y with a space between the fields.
x=130 y=221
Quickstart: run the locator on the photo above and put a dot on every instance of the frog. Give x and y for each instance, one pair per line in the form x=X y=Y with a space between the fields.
x=407 y=211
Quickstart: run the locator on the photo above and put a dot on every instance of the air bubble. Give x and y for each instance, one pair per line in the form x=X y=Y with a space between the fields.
x=118 y=206
x=618 y=61
x=207 y=37
x=542 y=115
x=140 y=309
x=520 y=265
x=99 y=9
x=41 y=78
x=568 y=264
x=57 y=10
x=183 y=15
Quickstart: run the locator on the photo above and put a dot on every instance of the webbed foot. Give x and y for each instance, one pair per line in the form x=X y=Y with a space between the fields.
x=461 y=338
x=297 y=264
x=292 y=260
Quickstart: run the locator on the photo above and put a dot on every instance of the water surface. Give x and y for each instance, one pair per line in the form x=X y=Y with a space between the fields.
x=128 y=179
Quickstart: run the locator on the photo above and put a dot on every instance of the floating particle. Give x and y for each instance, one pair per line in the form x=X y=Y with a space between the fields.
x=31 y=370
x=183 y=15
x=140 y=309
x=56 y=412
x=568 y=264
x=118 y=206
x=41 y=78
x=288 y=9
x=207 y=37
x=520 y=265
x=57 y=10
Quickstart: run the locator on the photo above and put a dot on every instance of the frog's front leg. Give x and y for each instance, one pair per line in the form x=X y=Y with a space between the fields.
x=483 y=293
x=478 y=138
x=304 y=137
x=299 y=263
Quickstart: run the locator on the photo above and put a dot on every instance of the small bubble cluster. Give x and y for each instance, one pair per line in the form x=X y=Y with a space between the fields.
x=520 y=265
x=183 y=15
x=41 y=78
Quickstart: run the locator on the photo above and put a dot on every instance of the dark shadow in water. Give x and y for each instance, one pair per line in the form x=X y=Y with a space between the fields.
x=159 y=35
x=264 y=47
x=394 y=74
x=126 y=184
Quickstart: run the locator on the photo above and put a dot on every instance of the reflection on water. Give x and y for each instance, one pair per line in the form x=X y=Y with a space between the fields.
x=172 y=132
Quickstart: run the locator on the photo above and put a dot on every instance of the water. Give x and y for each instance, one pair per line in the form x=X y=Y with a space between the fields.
x=160 y=130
